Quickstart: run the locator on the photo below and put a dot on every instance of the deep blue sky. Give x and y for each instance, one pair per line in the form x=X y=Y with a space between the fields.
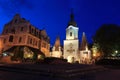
x=54 y=15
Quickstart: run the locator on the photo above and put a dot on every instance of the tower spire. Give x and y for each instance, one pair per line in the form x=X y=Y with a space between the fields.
x=72 y=22
x=84 y=43
x=72 y=15
x=57 y=43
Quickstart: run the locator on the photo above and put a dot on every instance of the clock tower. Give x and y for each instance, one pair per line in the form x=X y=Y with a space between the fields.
x=71 y=44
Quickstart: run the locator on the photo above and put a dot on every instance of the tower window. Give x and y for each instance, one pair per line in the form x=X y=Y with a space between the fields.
x=11 y=39
x=70 y=33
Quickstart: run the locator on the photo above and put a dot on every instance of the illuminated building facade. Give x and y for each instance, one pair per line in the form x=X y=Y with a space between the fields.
x=20 y=32
x=72 y=50
x=71 y=44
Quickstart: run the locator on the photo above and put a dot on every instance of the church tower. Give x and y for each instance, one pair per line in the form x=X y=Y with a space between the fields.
x=56 y=51
x=71 y=44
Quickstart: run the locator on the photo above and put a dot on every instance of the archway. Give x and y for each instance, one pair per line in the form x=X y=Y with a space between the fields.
x=71 y=59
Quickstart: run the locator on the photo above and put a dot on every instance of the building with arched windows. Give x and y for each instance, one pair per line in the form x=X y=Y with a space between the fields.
x=20 y=32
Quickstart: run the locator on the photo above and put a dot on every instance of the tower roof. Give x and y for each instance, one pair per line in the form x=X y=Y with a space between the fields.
x=84 y=43
x=72 y=21
x=57 y=43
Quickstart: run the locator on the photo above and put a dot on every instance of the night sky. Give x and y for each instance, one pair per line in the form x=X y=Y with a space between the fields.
x=54 y=15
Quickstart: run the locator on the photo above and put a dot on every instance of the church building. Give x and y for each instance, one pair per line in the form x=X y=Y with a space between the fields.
x=73 y=50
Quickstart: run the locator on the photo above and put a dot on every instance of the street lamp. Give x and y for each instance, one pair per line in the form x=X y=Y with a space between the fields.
x=116 y=51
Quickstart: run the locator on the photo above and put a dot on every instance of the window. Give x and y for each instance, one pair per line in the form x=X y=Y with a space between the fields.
x=70 y=33
x=44 y=45
x=22 y=28
x=30 y=41
x=13 y=31
x=20 y=39
x=35 y=32
x=36 y=43
x=30 y=28
x=11 y=39
x=16 y=20
x=4 y=41
x=32 y=31
x=6 y=31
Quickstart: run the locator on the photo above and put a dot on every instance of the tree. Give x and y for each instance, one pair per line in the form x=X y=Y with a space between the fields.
x=108 y=38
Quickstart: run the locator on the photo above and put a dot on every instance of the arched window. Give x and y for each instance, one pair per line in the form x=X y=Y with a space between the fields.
x=11 y=39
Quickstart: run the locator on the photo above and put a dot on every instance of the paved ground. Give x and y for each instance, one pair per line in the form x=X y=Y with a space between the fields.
x=111 y=74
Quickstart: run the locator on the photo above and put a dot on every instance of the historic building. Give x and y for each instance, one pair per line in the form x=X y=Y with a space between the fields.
x=57 y=50
x=20 y=32
x=85 y=53
x=71 y=44
x=73 y=50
